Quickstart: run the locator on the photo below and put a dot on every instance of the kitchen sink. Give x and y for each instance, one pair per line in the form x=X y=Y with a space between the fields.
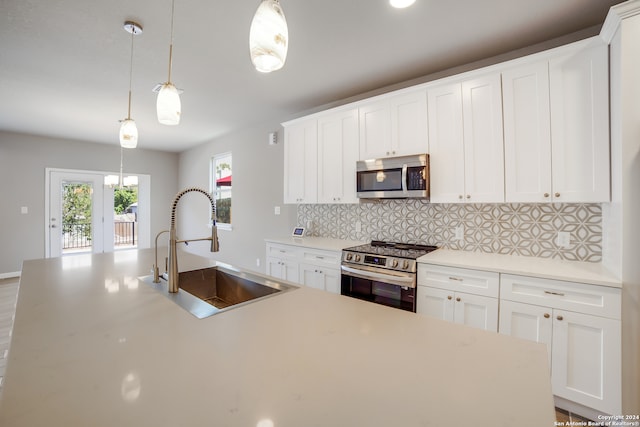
x=214 y=290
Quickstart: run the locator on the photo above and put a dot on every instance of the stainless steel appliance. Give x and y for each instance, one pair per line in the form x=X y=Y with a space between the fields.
x=383 y=273
x=394 y=177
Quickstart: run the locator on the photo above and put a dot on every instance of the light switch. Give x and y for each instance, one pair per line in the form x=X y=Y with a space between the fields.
x=24 y=210
x=276 y=210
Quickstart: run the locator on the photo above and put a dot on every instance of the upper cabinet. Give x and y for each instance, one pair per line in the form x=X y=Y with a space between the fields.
x=394 y=126
x=556 y=127
x=465 y=141
x=337 y=157
x=300 y=162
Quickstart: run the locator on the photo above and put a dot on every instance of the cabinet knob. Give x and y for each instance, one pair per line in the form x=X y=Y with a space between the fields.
x=559 y=317
x=547 y=315
x=557 y=195
x=468 y=196
x=449 y=297
x=546 y=194
x=458 y=299
x=460 y=196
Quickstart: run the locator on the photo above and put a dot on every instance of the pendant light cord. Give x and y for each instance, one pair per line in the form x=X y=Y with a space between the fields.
x=173 y=4
x=133 y=33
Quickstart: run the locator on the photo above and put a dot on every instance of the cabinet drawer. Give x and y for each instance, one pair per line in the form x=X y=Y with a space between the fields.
x=320 y=257
x=580 y=297
x=282 y=251
x=476 y=282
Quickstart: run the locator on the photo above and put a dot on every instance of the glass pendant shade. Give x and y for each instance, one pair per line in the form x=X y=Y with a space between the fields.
x=128 y=134
x=268 y=37
x=168 y=105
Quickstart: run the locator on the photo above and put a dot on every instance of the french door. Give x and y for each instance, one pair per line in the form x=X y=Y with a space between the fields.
x=75 y=214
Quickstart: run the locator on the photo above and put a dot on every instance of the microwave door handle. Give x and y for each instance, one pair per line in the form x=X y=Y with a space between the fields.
x=404 y=178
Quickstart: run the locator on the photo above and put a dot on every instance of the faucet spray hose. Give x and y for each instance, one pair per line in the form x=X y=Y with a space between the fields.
x=174 y=205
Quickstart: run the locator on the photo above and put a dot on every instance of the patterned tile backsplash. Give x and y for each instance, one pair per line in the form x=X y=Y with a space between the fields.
x=517 y=229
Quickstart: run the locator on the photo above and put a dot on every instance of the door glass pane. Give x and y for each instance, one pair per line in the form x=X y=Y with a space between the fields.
x=77 y=205
x=125 y=214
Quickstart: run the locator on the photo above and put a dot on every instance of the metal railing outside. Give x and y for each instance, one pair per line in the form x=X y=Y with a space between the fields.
x=78 y=235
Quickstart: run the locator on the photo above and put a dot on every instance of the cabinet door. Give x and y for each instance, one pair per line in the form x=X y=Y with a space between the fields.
x=586 y=360
x=446 y=149
x=274 y=267
x=332 y=279
x=311 y=276
x=409 y=124
x=527 y=133
x=476 y=311
x=338 y=150
x=300 y=162
x=579 y=84
x=375 y=130
x=526 y=321
x=433 y=302
x=483 y=141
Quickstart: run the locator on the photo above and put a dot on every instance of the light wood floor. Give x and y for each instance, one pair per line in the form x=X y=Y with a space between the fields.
x=8 y=298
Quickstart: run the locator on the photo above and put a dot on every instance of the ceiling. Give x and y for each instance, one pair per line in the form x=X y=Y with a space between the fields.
x=64 y=64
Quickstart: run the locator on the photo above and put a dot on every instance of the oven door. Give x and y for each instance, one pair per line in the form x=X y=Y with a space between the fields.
x=390 y=288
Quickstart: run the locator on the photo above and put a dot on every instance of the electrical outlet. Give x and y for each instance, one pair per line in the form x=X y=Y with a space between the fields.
x=460 y=232
x=564 y=239
x=358 y=226
x=257 y=262
x=276 y=210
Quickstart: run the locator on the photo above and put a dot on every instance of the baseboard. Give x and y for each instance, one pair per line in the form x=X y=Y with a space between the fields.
x=9 y=275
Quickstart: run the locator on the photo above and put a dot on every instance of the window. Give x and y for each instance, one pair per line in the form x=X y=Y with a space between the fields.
x=221 y=187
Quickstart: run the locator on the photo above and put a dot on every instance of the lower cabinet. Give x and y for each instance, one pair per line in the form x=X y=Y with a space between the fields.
x=584 y=349
x=468 y=309
x=315 y=268
x=460 y=295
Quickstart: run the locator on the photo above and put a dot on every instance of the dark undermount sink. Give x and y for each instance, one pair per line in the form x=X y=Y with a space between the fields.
x=213 y=290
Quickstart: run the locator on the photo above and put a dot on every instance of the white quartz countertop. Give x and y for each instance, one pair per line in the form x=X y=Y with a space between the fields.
x=93 y=346
x=323 y=243
x=583 y=272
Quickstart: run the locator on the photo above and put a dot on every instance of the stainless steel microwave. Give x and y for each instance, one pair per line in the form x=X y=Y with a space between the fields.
x=393 y=177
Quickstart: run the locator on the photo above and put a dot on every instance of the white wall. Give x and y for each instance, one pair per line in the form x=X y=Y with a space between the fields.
x=23 y=159
x=258 y=174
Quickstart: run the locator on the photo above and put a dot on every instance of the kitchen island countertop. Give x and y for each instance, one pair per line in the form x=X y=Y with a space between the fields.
x=93 y=346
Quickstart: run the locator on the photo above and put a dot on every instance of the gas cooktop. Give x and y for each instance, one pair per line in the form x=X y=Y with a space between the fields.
x=393 y=249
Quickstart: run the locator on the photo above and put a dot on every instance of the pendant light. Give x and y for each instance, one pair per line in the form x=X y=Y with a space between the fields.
x=268 y=37
x=128 y=128
x=168 y=102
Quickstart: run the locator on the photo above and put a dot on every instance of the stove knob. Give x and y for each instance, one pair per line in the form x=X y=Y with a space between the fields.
x=357 y=258
x=405 y=264
x=394 y=263
x=349 y=256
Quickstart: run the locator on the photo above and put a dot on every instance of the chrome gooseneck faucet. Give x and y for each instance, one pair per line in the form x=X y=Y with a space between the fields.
x=174 y=284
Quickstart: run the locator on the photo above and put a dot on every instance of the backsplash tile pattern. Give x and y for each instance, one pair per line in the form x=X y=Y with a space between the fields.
x=517 y=229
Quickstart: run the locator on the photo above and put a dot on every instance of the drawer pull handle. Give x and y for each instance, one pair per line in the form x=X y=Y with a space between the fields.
x=457 y=279
x=560 y=294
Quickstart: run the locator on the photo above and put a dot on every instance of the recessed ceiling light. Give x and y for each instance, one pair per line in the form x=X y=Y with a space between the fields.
x=401 y=4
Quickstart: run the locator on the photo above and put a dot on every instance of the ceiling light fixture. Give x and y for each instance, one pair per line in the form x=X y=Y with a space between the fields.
x=128 y=128
x=268 y=37
x=168 y=102
x=401 y=4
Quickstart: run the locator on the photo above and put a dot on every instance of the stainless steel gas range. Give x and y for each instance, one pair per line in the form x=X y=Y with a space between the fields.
x=383 y=273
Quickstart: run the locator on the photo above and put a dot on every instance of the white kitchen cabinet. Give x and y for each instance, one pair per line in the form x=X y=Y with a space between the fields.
x=394 y=126
x=459 y=295
x=316 y=268
x=338 y=151
x=282 y=262
x=301 y=162
x=580 y=324
x=459 y=307
x=556 y=127
x=465 y=141
x=527 y=133
x=579 y=88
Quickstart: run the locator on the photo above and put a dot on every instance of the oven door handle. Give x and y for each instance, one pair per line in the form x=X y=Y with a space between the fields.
x=381 y=276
